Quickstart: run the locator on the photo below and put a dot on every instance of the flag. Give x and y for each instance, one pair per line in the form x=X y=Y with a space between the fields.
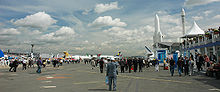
x=119 y=53
x=66 y=54
x=99 y=55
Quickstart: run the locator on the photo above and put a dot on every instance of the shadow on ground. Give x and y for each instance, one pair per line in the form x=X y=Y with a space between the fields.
x=210 y=81
x=97 y=90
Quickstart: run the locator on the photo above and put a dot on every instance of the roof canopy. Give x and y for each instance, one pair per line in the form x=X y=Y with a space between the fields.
x=167 y=44
x=194 y=31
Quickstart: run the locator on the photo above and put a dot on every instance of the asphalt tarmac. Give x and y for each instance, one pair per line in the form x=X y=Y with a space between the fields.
x=81 y=78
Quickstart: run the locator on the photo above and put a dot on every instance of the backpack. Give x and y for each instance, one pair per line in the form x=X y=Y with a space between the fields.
x=38 y=62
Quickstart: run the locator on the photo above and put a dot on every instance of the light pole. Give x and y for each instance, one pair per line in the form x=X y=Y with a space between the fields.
x=32 y=48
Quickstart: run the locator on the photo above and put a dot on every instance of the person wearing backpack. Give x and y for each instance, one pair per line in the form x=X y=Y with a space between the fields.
x=15 y=65
x=172 y=64
x=39 y=65
x=11 y=65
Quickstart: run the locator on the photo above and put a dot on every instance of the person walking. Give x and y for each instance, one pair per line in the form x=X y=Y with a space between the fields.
x=54 y=62
x=93 y=63
x=207 y=61
x=15 y=65
x=11 y=65
x=191 y=65
x=44 y=63
x=30 y=62
x=24 y=62
x=101 y=65
x=39 y=65
x=180 y=65
x=135 y=62
x=112 y=74
x=140 y=62
x=147 y=62
x=126 y=64
x=122 y=64
x=212 y=57
x=186 y=66
x=156 y=61
x=172 y=64
x=129 y=64
x=200 y=62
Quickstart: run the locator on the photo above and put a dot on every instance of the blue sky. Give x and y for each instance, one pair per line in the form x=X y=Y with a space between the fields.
x=97 y=26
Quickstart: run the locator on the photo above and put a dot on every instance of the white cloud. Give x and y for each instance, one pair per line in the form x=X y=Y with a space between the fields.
x=118 y=31
x=207 y=12
x=10 y=31
x=107 y=21
x=64 y=33
x=86 y=41
x=36 y=32
x=1 y=24
x=191 y=3
x=174 y=32
x=86 y=12
x=170 y=19
x=106 y=7
x=197 y=17
x=136 y=35
x=161 y=12
x=37 y=20
x=148 y=28
x=216 y=17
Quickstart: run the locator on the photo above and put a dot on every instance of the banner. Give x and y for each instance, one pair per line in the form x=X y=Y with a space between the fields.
x=1 y=53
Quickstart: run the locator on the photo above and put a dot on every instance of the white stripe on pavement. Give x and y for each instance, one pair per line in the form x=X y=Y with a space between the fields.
x=48 y=86
x=46 y=81
x=49 y=77
x=214 y=89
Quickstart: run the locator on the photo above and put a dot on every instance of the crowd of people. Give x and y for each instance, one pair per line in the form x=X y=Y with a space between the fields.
x=187 y=65
x=184 y=65
x=125 y=64
x=28 y=62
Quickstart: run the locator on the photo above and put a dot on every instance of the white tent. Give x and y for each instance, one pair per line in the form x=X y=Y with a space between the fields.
x=194 y=31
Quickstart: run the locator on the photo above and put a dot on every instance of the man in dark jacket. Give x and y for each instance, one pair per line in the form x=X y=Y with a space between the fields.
x=54 y=62
x=101 y=64
x=15 y=65
x=126 y=64
x=199 y=62
x=135 y=62
x=39 y=65
x=186 y=66
x=11 y=65
x=122 y=64
x=212 y=57
x=172 y=64
x=140 y=62
x=180 y=65
x=129 y=64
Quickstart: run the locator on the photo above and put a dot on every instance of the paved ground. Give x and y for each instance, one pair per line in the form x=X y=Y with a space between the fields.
x=81 y=78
